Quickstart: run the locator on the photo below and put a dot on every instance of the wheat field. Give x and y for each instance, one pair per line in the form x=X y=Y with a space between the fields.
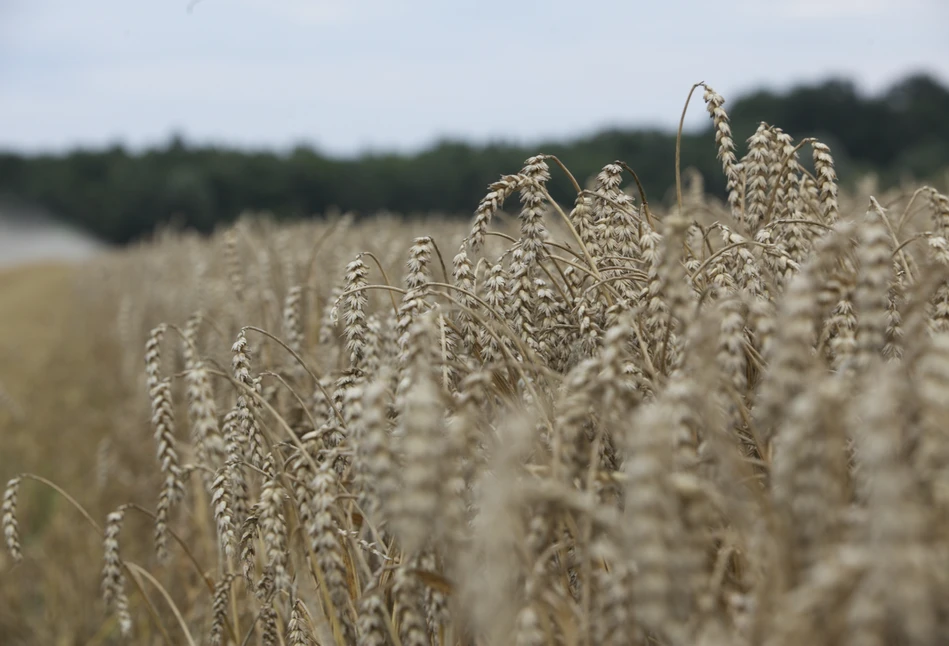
x=607 y=422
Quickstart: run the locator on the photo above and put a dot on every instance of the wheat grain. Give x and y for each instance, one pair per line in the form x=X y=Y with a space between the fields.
x=297 y=632
x=219 y=610
x=113 y=577
x=11 y=529
x=826 y=181
x=726 y=146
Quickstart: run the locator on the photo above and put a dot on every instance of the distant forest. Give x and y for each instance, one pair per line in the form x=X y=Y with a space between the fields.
x=121 y=196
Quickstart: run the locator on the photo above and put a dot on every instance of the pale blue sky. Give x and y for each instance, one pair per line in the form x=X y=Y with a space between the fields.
x=352 y=75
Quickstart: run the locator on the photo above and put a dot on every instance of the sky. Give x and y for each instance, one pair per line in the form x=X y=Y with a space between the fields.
x=370 y=75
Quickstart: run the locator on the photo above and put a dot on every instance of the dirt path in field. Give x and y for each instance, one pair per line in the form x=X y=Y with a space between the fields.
x=36 y=305
x=57 y=373
x=58 y=385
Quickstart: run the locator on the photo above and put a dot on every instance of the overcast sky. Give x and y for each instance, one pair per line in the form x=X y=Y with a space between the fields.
x=353 y=75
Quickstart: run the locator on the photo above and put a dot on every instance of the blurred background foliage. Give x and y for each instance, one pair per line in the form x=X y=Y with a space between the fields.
x=120 y=196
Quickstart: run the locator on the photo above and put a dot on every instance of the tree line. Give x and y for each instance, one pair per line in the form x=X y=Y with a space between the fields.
x=120 y=196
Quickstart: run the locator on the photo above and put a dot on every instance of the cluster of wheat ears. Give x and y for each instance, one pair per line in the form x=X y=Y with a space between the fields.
x=714 y=423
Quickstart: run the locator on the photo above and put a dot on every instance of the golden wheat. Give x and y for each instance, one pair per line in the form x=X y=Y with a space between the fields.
x=716 y=423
